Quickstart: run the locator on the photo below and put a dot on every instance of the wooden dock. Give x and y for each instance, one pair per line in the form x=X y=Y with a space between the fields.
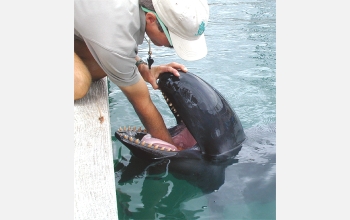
x=94 y=182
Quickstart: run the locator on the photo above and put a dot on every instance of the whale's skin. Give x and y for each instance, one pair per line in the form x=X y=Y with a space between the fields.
x=203 y=110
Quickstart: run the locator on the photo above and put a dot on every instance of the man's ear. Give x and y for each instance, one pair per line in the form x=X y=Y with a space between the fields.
x=150 y=18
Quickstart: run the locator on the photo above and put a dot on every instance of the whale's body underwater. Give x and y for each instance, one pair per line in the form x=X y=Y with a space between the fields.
x=207 y=127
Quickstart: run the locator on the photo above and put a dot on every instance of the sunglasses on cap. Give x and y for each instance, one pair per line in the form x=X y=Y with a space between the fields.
x=165 y=30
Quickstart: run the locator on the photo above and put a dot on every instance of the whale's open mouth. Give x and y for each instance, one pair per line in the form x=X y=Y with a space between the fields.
x=140 y=138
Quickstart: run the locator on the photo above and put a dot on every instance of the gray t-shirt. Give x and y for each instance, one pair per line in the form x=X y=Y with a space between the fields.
x=112 y=30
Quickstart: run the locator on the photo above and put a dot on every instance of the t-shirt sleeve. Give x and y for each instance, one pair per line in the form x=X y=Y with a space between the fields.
x=121 y=70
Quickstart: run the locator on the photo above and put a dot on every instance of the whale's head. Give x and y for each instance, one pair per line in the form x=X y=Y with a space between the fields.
x=206 y=124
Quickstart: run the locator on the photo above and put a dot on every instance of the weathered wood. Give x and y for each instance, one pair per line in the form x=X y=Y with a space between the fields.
x=94 y=182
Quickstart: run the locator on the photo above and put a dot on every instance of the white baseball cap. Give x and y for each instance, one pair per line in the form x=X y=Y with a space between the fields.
x=186 y=21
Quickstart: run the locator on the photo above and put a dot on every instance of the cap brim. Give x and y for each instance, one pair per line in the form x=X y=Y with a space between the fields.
x=187 y=49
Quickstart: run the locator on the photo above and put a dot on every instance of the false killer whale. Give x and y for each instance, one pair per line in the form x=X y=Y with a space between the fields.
x=207 y=127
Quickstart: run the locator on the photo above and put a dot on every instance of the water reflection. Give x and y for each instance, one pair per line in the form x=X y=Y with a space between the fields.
x=169 y=183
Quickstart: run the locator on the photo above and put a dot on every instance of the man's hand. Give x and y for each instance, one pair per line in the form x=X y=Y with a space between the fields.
x=151 y=75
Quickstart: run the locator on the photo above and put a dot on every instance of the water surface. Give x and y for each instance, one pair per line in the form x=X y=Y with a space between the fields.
x=241 y=64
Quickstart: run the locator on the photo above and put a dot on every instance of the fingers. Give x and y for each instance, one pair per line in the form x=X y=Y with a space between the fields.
x=164 y=69
x=172 y=68
x=177 y=66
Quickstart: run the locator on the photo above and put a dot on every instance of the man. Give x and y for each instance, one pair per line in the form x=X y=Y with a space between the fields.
x=106 y=36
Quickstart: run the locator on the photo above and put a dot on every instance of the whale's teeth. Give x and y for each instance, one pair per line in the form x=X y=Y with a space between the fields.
x=129 y=128
x=131 y=139
x=139 y=130
x=162 y=148
x=143 y=143
x=145 y=130
x=168 y=149
x=170 y=104
x=134 y=129
x=124 y=128
x=167 y=100
x=149 y=145
x=178 y=115
x=137 y=141
x=175 y=111
x=126 y=136
x=156 y=147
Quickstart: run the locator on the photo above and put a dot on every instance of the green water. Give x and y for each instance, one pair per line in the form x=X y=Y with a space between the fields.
x=241 y=64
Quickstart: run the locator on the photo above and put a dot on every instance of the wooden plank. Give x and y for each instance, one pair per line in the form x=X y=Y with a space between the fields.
x=94 y=182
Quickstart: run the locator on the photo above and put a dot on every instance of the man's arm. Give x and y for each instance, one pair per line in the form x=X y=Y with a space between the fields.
x=138 y=95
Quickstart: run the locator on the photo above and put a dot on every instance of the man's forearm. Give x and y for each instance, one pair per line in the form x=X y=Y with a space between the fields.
x=139 y=97
x=154 y=123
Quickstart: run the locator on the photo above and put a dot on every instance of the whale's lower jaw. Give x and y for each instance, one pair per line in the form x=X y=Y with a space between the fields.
x=133 y=139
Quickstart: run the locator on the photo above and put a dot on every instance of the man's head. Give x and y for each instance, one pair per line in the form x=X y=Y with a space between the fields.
x=182 y=25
